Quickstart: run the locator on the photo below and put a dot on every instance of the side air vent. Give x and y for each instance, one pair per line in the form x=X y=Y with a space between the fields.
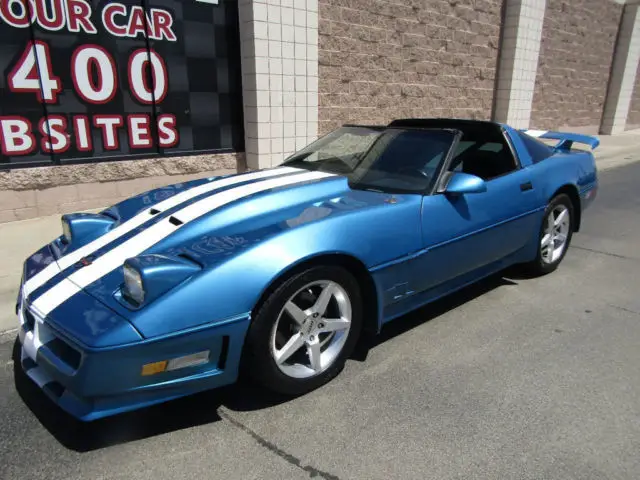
x=175 y=221
x=154 y=211
x=54 y=388
x=189 y=258
x=224 y=353
x=64 y=352
x=29 y=320
x=109 y=214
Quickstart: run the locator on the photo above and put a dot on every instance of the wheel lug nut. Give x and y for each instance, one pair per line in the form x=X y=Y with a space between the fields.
x=321 y=325
x=311 y=338
x=315 y=315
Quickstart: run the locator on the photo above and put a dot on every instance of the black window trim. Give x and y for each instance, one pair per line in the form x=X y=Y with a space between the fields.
x=512 y=149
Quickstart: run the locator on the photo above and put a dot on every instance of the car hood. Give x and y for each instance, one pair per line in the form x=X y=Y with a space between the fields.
x=208 y=232
x=227 y=231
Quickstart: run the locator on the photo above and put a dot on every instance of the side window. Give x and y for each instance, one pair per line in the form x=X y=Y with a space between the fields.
x=486 y=160
x=456 y=161
x=492 y=147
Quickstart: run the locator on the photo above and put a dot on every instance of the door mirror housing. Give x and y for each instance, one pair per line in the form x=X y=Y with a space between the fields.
x=461 y=183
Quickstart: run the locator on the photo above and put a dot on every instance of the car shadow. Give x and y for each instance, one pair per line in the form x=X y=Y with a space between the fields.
x=202 y=408
x=460 y=204
x=433 y=310
x=86 y=436
x=186 y=412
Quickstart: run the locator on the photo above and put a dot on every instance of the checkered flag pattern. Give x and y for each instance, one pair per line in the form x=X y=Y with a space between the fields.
x=203 y=94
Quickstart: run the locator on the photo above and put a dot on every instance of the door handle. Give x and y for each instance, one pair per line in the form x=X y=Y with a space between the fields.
x=526 y=186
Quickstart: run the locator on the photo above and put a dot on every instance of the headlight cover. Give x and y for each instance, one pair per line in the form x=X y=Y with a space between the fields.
x=81 y=228
x=133 y=286
x=148 y=277
x=66 y=229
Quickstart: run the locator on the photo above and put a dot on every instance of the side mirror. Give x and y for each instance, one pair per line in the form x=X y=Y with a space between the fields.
x=461 y=183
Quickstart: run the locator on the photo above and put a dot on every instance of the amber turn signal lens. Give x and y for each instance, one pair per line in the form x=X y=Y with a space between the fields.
x=153 y=368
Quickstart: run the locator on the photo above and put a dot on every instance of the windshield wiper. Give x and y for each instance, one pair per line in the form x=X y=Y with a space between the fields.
x=370 y=189
x=355 y=185
x=298 y=159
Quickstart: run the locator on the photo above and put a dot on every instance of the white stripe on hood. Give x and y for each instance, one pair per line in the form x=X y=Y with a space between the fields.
x=113 y=259
x=66 y=261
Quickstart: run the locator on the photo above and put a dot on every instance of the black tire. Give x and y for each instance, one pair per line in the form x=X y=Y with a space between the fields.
x=539 y=266
x=258 y=361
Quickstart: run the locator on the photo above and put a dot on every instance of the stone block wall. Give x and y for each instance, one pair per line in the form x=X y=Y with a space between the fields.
x=380 y=60
x=578 y=39
x=36 y=192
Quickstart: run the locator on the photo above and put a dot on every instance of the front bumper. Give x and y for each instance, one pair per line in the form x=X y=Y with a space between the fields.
x=91 y=383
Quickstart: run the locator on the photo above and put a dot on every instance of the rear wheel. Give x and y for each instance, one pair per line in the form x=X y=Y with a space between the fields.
x=305 y=330
x=555 y=235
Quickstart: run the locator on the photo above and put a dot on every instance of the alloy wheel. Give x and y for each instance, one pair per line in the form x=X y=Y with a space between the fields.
x=555 y=235
x=311 y=329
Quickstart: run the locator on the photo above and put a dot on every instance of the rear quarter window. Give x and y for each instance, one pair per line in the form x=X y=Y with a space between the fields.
x=538 y=150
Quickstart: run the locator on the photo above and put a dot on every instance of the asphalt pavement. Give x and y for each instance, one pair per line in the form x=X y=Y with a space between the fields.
x=512 y=378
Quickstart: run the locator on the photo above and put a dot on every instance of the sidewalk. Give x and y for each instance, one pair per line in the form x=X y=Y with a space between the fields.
x=19 y=239
x=614 y=149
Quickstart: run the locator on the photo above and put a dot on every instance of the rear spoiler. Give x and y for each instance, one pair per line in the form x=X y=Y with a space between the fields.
x=566 y=140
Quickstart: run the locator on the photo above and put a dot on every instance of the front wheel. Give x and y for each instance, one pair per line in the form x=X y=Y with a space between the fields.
x=555 y=235
x=305 y=330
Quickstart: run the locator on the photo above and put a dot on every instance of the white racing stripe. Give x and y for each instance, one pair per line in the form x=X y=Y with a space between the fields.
x=535 y=133
x=37 y=374
x=113 y=259
x=34 y=339
x=51 y=270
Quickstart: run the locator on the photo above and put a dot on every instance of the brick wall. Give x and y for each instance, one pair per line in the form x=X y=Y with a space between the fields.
x=380 y=60
x=36 y=192
x=633 y=119
x=578 y=38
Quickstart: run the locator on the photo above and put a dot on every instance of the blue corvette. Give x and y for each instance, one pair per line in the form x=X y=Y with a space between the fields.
x=275 y=273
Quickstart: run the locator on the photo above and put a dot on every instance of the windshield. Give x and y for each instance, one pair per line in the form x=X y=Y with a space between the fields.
x=379 y=158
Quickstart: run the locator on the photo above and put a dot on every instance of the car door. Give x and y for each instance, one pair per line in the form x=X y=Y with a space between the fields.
x=466 y=235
